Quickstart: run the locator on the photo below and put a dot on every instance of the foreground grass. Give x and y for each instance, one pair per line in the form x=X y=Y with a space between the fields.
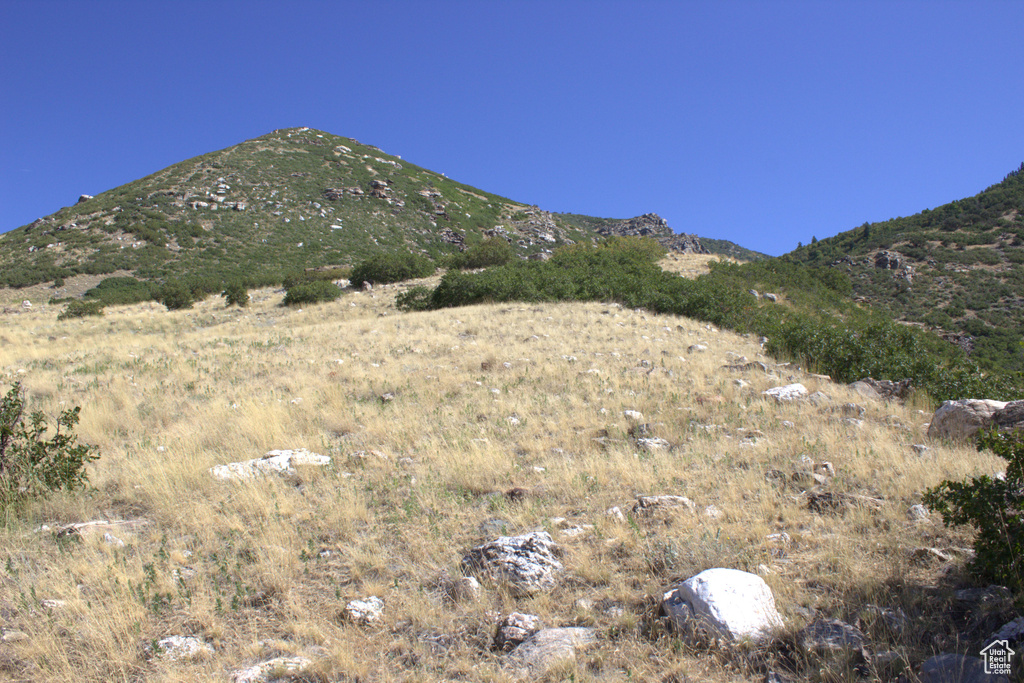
x=486 y=399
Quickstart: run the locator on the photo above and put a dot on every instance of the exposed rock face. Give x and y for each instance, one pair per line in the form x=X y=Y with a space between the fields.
x=527 y=563
x=959 y=420
x=1010 y=416
x=824 y=636
x=366 y=611
x=726 y=603
x=654 y=226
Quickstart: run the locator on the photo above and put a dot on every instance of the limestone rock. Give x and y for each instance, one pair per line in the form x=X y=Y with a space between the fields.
x=365 y=612
x=274 y=462
x=527 y=562
x=1010 y=416
x=271 y=670
x=549 y=647
x=882 y=389
x=724 y=603
x=790 y=392
x=514 y=629
x=175 y=648
x=959 y=420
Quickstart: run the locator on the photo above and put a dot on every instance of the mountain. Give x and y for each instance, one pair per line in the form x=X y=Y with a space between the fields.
x=295 y=198
x=957 y=269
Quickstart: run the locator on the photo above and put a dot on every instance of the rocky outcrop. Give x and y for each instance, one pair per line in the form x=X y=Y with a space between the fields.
x=274 y=462
x=654 y=226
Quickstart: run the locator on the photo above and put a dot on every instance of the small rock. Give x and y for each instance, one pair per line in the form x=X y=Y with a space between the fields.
x=514 y=629
x=648 y=504
x=550 y=647
x=615 y=513
x=175 y=648
x=274 y=462
x=634 y=415
x=651 y=444
x=824 y=636
x=853 y=410
x=696 y=348
x=365 y=612
x=918 y=513
x=268 y=671
x=920 y=449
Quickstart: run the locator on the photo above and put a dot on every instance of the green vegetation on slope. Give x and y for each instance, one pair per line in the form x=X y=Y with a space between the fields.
x=818 y=324
x=958 y=269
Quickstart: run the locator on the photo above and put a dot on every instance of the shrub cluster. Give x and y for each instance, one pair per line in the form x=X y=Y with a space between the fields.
x=384 y=268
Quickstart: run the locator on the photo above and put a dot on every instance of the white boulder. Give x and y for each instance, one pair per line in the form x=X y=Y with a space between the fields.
x=790 y=392
x=959 y=420
x=725 y=603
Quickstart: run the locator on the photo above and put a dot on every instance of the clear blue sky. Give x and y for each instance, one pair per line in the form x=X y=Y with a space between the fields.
x=759 y=122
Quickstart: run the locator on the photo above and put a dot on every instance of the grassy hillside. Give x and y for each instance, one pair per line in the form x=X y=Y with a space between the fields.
x=958 y=269
x=499 y=418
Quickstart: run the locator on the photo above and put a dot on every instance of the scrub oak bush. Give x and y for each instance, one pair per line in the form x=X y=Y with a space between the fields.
x=235 y=294
x=493 y=251
x=31 y=463
x=311 y=293
x=80 y=309
x=385 y=268
x=995 y=507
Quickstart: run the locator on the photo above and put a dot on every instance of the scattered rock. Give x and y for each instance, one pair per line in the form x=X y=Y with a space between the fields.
x=790 y=392
x=960 y=420
x=274 y=462
x=271 y=670
x=514 y=629
x=176 y=648
x=550 y=647
x=648 y=504
x=1012 y=633
x=615 y=513
x=952 y=668
x=364 y=612
x=830 y=636
x=696 y=348
x=920 y=448
x=774 y=298
x=653 y=443
x=918 y=513
x=853 y=410
x=836 y=502
x=882 y=389
x=634 y=415
x=83 y=198
x=527 y=562
x=725 y=603
x=1010 y=416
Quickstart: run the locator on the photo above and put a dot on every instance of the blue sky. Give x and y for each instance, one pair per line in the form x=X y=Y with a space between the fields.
x=765 y=123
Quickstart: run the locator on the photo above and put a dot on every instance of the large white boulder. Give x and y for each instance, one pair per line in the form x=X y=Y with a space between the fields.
x=959 y=420
x=725 y=603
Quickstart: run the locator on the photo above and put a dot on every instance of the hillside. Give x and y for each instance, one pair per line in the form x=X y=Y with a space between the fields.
x=294 y=199
x=958 y=269
x=445 y=432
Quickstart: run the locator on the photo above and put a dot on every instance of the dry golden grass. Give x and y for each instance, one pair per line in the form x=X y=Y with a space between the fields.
x=263 y=568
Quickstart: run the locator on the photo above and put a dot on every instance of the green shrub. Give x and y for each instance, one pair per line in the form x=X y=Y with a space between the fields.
x=311 y=293
x=491 y=252
x=995 y=507
x=235 y=294
x=324 y=275
x=31 y=464
x=80 y=309
x=416 y=299
x=175 y=296
x=384 y=268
